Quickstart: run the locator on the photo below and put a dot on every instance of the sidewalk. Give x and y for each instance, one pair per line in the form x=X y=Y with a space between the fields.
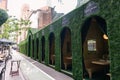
x=7 y=72
x=33 y=70
x=9 y=77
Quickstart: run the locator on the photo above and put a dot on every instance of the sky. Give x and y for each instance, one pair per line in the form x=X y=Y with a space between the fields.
x=14 y=6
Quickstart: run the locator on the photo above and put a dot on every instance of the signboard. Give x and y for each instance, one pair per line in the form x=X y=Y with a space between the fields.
x=43 y=33
x=91 y=8
x=37 y=35
x=81 y=2
x=51 y=28
x=65 y=21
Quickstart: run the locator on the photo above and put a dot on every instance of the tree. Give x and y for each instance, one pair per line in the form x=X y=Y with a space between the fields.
x=3 y=16
x=8 y=27
x=24 y=26
x=13 y=25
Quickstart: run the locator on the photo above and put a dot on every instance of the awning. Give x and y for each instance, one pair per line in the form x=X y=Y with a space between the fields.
x=6 y=41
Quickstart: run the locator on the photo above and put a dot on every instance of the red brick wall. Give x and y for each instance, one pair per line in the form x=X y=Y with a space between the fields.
x=45 y=18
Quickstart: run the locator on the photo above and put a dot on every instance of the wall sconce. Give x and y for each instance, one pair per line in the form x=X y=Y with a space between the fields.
x=105 y=36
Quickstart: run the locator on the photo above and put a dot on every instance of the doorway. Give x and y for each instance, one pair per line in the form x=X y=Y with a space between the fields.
x=95 y=48
x=43 y=49
x=66 y=53
x=52 y=49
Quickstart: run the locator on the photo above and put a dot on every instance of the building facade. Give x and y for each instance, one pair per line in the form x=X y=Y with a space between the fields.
x=44 y=17
x=39 y=18
x=24 y=16
x=3 y=4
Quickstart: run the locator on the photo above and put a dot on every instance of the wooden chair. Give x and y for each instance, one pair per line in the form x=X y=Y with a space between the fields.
x=52 y=58
x=67 y=59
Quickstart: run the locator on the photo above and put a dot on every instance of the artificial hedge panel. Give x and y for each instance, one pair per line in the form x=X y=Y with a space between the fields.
x=40 y=46
x=76 y=20
x=56 y=30
x=35 y=47
x=114 y=39
x=22 y=47
x=109 y=11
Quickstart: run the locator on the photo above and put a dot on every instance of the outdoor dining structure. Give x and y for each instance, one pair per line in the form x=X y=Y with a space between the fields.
x=5 y=55
x=83 y=44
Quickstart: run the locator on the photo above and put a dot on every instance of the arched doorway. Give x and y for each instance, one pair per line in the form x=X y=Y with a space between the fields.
x=43 y=49
x=33 y=55
x=51 y=49
x=29 y=45
x=66 y=53
x=37 y=48
x=95 y=48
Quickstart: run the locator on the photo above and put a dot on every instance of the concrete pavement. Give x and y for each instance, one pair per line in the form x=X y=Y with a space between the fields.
x=32 y=70
x=27 y=70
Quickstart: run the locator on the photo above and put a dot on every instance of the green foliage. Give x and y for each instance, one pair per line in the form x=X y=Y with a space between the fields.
x=108 y=10
x=3 y=16
x=22 y=46
x=13 y=25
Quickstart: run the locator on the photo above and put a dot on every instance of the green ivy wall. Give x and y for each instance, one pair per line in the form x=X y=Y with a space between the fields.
x=108 y=10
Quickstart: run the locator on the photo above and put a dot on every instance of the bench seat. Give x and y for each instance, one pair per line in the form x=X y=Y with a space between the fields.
x=91 y=68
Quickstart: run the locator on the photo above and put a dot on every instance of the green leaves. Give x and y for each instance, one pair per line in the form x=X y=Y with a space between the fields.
x=14 y=26
x=3 y=16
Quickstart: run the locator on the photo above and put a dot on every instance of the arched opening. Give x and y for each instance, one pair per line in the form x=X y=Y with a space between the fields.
x=66 y=53
x=43 y=49
x=51 y=49
x=29 y=45
x=37 y=48
x=33 y=55
x=95 y=49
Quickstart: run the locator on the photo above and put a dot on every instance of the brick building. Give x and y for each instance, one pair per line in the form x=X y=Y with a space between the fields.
x=3 y=4
x=39 y=18
x=24 y=16
x=44 y=17
x=24 y=11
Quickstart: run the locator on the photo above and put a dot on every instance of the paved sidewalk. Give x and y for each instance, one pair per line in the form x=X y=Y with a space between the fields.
x=9 y=77
x=7 y=72
x=33 y=70
x=29 y=71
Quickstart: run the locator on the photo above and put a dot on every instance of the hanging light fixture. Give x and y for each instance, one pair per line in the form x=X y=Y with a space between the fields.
x=105 y=36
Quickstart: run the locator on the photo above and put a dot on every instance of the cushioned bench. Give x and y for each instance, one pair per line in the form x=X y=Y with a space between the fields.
x=91 y=68
x=52 y=58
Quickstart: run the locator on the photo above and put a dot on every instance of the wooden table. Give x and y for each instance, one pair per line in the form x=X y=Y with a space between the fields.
x=68 y=57
x=101 y=62
x=67 y=61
